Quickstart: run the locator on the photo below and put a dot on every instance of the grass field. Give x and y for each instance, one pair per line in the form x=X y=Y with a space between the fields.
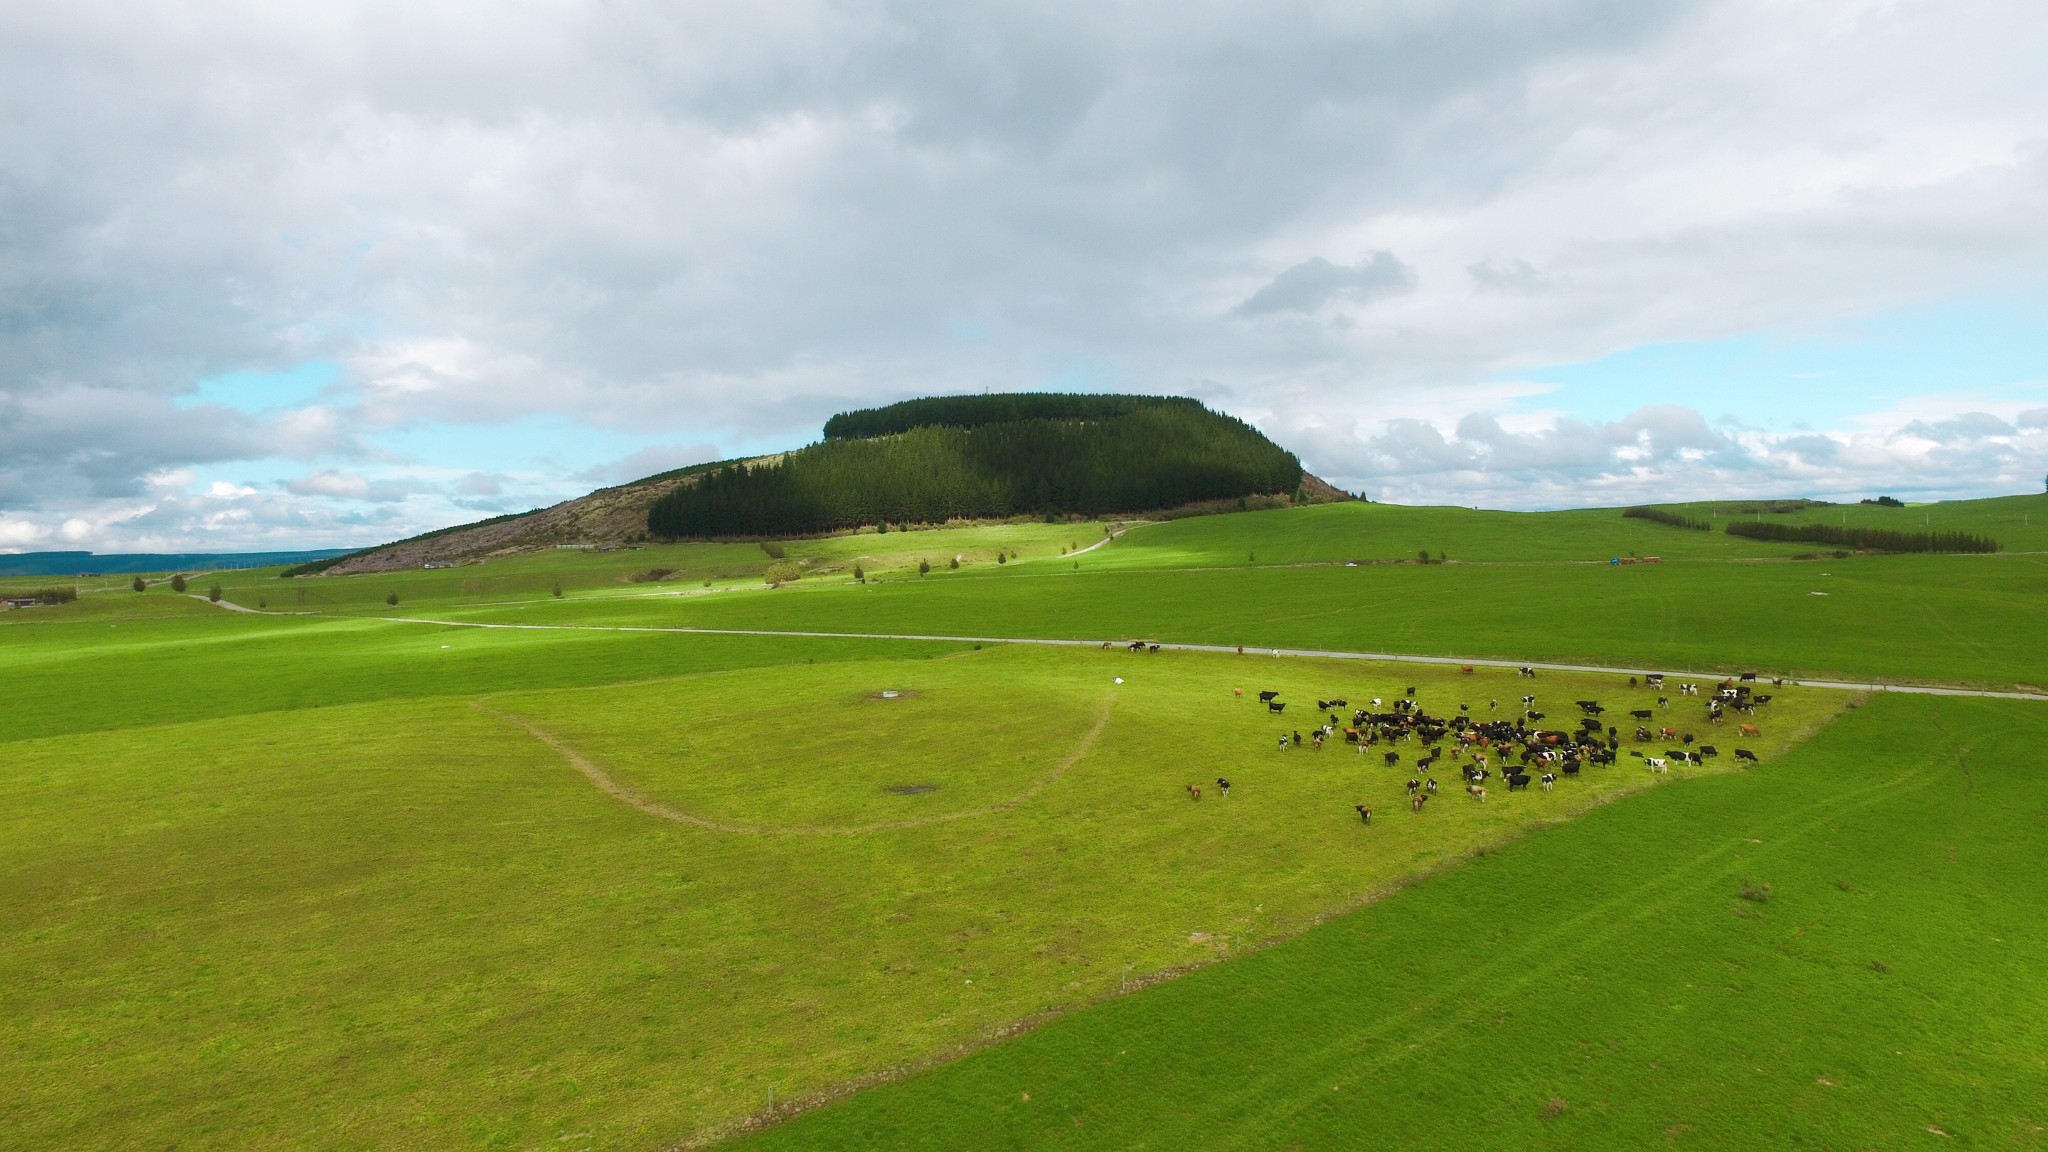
x=324 y=878
x=1602 y=985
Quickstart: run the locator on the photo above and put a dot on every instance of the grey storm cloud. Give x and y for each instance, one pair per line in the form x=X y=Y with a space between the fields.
x=1315 y=282
x=711 y=224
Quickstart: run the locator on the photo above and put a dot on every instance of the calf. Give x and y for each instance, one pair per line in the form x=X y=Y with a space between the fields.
x=1549 y=779
x=1416 y=801
x=1393 y=758
x=1748 y=730
x=1195 y=790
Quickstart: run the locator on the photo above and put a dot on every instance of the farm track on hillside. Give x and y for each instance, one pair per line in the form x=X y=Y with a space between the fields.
x=1248 y=650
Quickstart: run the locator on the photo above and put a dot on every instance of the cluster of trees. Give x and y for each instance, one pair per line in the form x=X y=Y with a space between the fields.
x=1872 y=539
x=1665 y=516
x=52 y=595
x=1886 y=501
x=1153 y=454
x=975 y=411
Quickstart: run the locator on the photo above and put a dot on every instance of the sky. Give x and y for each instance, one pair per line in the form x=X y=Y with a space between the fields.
x=300 y=276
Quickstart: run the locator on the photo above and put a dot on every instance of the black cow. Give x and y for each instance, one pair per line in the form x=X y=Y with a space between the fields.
x=1745 y=754
x=1709 y=750
x=1747 y=676
x=1322 y=705
x=1642 y=714
x=1267 y=697
x=1393 y=758
x=1518 y=780
x=1571 y=767
x=1275 y=707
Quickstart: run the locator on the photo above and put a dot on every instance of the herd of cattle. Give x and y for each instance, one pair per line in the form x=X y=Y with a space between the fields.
x=1521 y=751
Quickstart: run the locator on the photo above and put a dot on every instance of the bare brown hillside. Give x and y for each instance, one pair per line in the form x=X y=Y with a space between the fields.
x=607 y=516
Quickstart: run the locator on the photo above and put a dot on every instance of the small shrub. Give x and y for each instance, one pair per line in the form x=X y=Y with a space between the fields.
x=955 y=564
x=557 y=589
x=781 y=572
x=1000 y=558
x=213 y=593
x=860 y=574
x=774 y=550
x=647 y=577
x=1554 y=1108
x=881 y=527
x=178 y=582
x=53 y=595
x=1756 y=893
x=1844 y=885
x=1880 y=967
x=924 y=567
x=392 y=599
x=1422 y=557
x=140 y=585
x=262 y=602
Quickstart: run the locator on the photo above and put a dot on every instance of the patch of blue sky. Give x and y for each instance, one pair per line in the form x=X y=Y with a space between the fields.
x=1977 y=352
x=260 y=391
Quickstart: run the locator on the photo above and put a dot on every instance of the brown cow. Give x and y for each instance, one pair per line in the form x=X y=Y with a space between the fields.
x=1749 y=730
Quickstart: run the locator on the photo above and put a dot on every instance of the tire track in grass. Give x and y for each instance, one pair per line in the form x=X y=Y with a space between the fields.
x=1541 y=958
x=632 y=798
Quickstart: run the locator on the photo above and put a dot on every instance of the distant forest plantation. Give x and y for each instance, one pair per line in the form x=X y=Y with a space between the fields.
x=980 y=457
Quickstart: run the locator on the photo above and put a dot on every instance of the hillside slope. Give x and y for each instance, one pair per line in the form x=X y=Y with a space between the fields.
x=946 y=457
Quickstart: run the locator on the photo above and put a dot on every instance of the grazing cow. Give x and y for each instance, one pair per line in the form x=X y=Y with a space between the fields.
x=1136 y=646
x=1748 y=730
x=1322 y=705
x=1237 y=691
x=1667 y=733
x=1414 y=786
x=1267 y=697
x=1745 y=754
x=1549 y=779
x=1223 y=786
x=1656 y=763
x=1195 y=790
x=1519 y=780
x=1340 y=703
x=1747 y=676
x=1465 y=668
x=1151 y=647
x=1364 y=813
x=1685 y=738
x=1707 y=750
x=1393 y=758
x=1275 y=707
x=1642 y=733
x=1642 y=714
x=1476 y=791
x=1526 y=671
x=1416 y=801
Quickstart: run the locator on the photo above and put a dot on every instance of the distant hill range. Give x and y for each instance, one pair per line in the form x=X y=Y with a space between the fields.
x=921 y=461
x=77 y=563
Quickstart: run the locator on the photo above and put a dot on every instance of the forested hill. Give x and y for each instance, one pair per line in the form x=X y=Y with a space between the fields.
x=986 y=456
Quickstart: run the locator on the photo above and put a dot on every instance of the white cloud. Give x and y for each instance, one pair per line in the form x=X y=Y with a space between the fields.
x=702 y=224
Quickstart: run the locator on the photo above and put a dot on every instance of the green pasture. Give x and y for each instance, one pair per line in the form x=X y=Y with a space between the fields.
x=1940 y=619
x=1603 y=985
x=412 y=920
x=328 y=876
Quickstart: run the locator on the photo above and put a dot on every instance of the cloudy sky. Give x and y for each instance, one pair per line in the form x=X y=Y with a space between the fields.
x=308 y=275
